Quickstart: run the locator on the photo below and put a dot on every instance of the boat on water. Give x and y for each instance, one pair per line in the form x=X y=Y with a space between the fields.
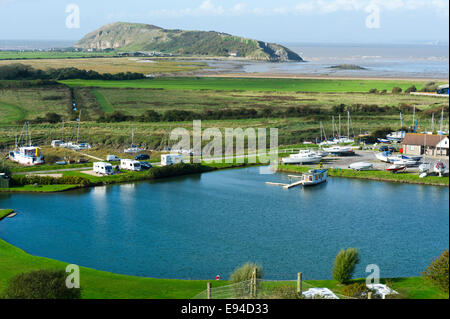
x=314 y=177
x=303 y=157
x=395 y=168
x=27 y=155
x=361 y=166
x=340 y=150
x=439 y=167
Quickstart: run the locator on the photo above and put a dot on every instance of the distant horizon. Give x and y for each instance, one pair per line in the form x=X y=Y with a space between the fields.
x=286 y=21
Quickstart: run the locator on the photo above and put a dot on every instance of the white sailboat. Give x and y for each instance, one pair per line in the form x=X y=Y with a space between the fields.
x=133 y=149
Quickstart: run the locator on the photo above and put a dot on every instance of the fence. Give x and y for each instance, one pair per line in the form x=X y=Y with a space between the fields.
x=266 y=289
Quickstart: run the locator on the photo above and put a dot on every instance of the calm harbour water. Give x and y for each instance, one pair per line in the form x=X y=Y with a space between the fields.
x=199 y=226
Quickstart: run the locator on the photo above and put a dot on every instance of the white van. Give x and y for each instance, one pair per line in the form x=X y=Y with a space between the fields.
x=130 y=165
x=112 y=158
x=171 y=159
x=103 y=168
x=57 y=143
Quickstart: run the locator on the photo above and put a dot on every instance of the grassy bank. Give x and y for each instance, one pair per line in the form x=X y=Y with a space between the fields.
x=5 y=212
x=104 y=285
x=373 y=175
x=39 y=188
x=252 y=84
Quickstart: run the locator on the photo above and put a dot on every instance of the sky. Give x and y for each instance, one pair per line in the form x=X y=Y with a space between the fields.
x=281 y=21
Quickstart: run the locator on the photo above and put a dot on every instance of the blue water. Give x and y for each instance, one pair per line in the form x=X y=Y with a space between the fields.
x=199 y=226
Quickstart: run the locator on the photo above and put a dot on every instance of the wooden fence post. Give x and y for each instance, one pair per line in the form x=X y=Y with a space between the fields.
x=254 y=285
x=299 y=283
x=208 y=290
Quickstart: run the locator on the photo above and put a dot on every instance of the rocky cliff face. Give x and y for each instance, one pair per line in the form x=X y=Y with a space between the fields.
x=143 y=37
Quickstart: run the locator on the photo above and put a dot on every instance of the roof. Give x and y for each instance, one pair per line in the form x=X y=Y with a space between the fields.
x=444 y=86
x=422 y=139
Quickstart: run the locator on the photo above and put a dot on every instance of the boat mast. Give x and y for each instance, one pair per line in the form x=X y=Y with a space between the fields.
x=333 y=125
x=432 y=123
x=29 y=134
x=62 y=133
x=442 y=121
x=132 y=135
x=348 y=124
x=414 y=119
x=78 y=129
x=401 y=121
x=339 y=127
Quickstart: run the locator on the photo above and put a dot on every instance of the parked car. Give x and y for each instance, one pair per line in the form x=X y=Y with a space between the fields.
x=112 y=158
x=142 y=157
x=82 y=160
x=146 y=165
x=392 y=149
x=383 y=148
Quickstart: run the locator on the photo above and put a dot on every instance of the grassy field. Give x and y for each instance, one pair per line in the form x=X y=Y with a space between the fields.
x=252 y=84
x=113 y=65
x=39 y=189
x=373 y=175
x=104 y=285
x=5 y=212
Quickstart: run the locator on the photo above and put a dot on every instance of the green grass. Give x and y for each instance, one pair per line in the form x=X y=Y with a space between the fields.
x=45 y=167
x=373 y=175
x=104 y=104
x=38 y=189
x=10 y=113
x=5 y=212
x=104 y=285
x=251 y=84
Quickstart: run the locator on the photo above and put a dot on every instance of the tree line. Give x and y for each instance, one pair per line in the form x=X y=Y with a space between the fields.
x=18 y=71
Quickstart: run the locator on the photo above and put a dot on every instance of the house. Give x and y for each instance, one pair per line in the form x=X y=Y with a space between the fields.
x=442 y=89
x=425 y=144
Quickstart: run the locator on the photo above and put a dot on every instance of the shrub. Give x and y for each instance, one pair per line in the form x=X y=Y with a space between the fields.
x=373 y=91
x=437 y=272
x=41 y=284
x=357 y=290
x=411 y=89
x=4 y=167
x=245 y=272
x=344 y=264
x=396 y=90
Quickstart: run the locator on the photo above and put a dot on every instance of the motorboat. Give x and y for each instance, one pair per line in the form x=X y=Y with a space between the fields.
x=361 y=166
x=340 y=150
x=28 y=156
x=133 y=149
x=301 y=158
x=403 y=160
x=383 y=156
x=383 y=140
x=395 y=168
x=396 y=136
x=439 y=167
x=424 y=168
x=314 y=177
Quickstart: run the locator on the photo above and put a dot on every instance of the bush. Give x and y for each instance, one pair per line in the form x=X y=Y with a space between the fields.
x=4 y=168
x=437 y=272
x=411 y=89
x=41 y=284
x=357 y=290
x=344 y=265
x=245 y=272
x=373 y=91
x=396 y=90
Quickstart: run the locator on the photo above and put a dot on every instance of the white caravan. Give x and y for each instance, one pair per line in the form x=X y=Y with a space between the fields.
x=103 y=168
x=171 y=159
x=130 y=165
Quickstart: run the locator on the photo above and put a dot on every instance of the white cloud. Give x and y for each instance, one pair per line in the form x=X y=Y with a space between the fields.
x=209 y=7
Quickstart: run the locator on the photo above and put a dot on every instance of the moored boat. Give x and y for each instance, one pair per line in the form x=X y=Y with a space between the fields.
x=439 y=167
x=361 y=166
x=314 y=177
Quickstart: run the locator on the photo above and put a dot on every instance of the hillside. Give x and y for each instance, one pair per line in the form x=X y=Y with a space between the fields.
x=128 y=37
